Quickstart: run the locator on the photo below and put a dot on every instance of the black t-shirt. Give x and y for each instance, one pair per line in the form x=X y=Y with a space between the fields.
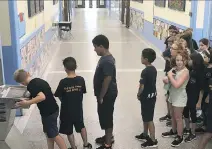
x=207 y=76
x=70 y=91
x=49 y=105
x=167 y=53
x=195 y=84
x=105 y=67
x=148 y=79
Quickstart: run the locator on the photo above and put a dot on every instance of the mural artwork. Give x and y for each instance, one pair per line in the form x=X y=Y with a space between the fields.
x=35 y=55
x=136 y=19
x=160 y=29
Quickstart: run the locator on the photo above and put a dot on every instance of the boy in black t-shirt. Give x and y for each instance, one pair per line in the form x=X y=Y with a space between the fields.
x=147 y=95
x=70 y=91
x=105 y=89
x=42 y=95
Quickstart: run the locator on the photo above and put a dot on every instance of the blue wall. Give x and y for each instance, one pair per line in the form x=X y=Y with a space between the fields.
x=11 y=54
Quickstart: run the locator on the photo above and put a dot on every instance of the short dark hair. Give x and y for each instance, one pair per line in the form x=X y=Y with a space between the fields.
x=70 y=63
x=101 y=40
x=149 y=54
x=204 y=41
x=20 y=75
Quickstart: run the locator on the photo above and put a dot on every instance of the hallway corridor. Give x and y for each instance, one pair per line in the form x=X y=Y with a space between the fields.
x=126 y=47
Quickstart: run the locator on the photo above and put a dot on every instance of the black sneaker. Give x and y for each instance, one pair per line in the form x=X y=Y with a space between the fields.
x=186 y=131
x=169 y=134
x=101 y=140
x=165 y=118
x=71 y=148
x=149 y=143
x=88 y=146
x=168 y=123
x=142 y=137
x=178 y=140
x=104 y=147
x=190 y=138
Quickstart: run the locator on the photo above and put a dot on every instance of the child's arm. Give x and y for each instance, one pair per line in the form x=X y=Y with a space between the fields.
x=179 y=82
x=108 y=71
x=40 y=97
x=105 y=86
x=24 y=103
x=140 y=90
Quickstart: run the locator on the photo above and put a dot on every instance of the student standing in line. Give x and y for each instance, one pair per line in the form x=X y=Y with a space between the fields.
x=70 y=91
x=208 y=132
x=42 y=95
x=196 y=71
x=178 y=78
x=105 y=89
x=147 y=94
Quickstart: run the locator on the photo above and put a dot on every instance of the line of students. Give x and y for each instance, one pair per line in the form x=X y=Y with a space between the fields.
x=70 y=92
x=193 y=93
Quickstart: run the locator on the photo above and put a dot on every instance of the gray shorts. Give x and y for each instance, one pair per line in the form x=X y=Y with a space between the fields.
x=50 y=125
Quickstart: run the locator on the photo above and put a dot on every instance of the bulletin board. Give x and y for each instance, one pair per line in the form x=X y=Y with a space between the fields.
x=136 y=19
x=160 y=29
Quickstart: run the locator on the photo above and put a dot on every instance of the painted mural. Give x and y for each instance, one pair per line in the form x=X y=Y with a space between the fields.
x=136 y=19
x=160 y=29
x=177 y=4
x=36 y=54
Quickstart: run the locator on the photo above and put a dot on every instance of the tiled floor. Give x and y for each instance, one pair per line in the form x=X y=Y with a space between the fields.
x=126 y=47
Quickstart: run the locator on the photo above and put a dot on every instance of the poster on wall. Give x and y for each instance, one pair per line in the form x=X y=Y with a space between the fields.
x=136 y=19
x=160 y=29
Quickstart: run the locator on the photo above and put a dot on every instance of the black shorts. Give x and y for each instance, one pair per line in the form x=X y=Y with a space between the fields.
x=105 y=112
x=50 y=125
x=209 y=119
x=147 y=109
x=66 y=127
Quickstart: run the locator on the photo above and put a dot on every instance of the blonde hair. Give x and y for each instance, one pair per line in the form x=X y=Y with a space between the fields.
x=20 y=75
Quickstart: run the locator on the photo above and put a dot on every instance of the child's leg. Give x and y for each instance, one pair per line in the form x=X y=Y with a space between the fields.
x=178 y=112
x=71 y=140
x=145 y=131
x=193 y=112
x=50 y=143
x=84 y=136
x=60 y=142
x=174 y=123
x=186 y=117
x=108 y=136
x=204 y=141
x=151 y=127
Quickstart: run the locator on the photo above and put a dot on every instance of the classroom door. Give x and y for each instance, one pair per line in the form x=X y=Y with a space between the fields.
x=101 y=3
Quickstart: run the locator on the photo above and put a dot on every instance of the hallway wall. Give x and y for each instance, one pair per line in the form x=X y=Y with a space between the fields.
x=152 y=19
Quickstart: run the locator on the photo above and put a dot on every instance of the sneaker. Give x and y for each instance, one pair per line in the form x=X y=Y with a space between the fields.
x=104 y=147
x=165 y=118
x=149 y=143
x=168 y=123
x=71 y=148
x=142 y=137
x=190 y=138
x=169 y=134
x=178 y=140
x=88 y=146
x=186 y=131
x=101 y=140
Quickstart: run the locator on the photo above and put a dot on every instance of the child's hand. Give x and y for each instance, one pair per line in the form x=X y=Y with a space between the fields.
x=165 y=80
x=23 y=103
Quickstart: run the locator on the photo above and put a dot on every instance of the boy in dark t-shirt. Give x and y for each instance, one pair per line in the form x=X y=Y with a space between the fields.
x=105 y=89
x=147 y=95
x=42 y=95
x=70 y=91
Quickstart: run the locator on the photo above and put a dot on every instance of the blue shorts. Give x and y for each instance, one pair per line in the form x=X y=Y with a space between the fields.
x=50 y=125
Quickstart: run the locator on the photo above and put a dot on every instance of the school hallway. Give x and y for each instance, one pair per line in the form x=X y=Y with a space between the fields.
x=126 y=47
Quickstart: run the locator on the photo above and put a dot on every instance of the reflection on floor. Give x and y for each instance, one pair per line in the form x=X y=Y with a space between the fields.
x=126 y=47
